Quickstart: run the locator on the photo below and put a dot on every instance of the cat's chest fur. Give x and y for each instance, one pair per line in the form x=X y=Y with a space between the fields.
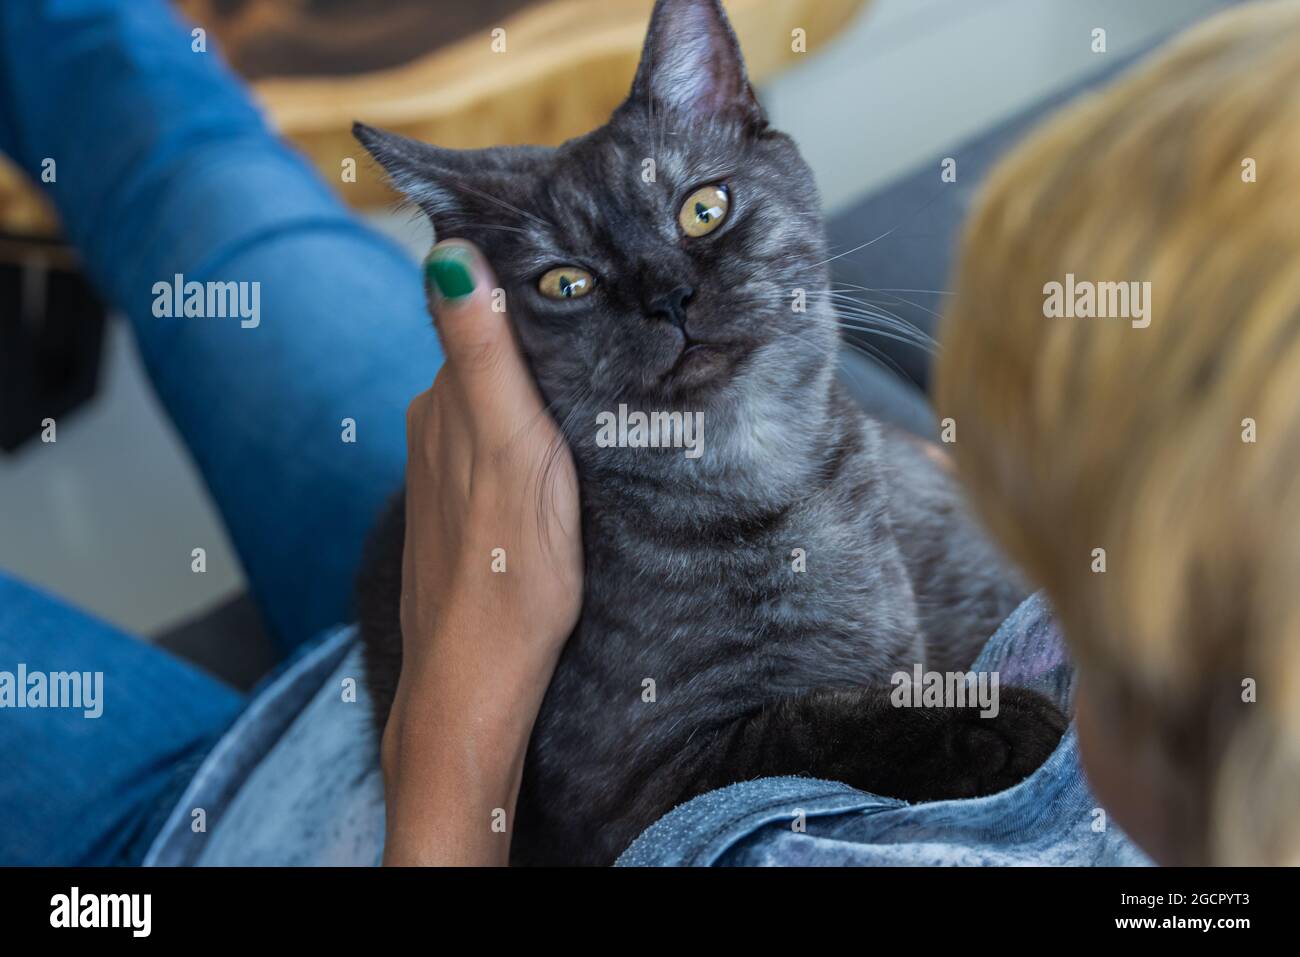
x=769 y=590
x=700 y=608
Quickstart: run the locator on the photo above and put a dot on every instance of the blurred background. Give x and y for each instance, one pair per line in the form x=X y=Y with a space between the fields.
x=107 y=516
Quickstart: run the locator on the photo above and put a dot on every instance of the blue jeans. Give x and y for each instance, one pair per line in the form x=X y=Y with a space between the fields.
x=163 y=167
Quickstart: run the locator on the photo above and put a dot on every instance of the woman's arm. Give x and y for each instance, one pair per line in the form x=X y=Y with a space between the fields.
x=491 y=582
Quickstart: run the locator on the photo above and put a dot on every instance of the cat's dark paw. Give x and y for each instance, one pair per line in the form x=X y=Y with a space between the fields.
x=991 y=754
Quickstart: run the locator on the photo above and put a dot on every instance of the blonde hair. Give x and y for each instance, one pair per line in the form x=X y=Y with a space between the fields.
x=1076 y=434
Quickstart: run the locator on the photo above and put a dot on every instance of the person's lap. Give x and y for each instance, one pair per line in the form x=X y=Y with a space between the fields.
x=82 y=783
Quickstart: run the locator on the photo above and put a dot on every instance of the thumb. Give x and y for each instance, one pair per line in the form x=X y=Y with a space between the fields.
x=476 y=337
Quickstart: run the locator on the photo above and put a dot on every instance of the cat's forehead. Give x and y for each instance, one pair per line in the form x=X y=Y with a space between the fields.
x=667 y=149
x=619 y=174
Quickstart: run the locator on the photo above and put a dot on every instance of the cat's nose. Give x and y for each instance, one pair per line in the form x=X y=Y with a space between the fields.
x=672 y=307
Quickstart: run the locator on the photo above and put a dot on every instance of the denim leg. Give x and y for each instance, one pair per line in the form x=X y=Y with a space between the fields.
x=163 y=167
x=84 y=785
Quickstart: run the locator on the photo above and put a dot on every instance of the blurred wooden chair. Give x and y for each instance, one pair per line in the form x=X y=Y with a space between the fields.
x=453 y=73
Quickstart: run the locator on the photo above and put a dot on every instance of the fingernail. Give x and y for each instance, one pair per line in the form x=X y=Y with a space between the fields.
x=449 y=269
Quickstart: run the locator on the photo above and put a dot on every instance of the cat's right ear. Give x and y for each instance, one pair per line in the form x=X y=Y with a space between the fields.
x=691 y=63
x=427 y=175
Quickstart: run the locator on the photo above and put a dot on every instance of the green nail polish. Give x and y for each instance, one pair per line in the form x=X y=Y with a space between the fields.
x=449 y=271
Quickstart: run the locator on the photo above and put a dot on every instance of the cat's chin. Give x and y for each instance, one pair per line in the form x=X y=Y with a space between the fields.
x=702 y=370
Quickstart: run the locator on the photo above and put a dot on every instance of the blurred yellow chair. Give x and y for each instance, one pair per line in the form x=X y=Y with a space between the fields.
x=454 y=73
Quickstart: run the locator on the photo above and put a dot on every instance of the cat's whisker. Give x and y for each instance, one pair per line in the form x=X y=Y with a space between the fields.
x=656 y=136
x=498 y=226
x=461 y=185
x=932 y=292
x=889 y=232
x=871 y=321
x=844 y=304
x=881 y=315
x=885 y=335
x=875 y=355
x=894 y=301
x=876 y=321
x=546 y=474
x=896 y=298
x=885 y=321
x=916 y=305
x=854 y=315
x=841 y=297
x=868 y=312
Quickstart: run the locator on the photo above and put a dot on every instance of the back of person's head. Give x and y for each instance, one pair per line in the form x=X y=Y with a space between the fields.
x=1173 y=446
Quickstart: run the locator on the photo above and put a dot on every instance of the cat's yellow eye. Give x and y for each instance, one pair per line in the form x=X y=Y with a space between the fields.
x=567 y=282
x=704 y=210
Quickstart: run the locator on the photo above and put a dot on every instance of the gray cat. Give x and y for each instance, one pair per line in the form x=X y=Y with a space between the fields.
x=769 y=585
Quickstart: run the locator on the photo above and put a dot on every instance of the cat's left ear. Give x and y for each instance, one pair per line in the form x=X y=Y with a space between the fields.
x=417 y=169
x=437 y=179
x=692 y=63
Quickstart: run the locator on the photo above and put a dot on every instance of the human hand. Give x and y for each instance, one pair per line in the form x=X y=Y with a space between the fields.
x=491 y=579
